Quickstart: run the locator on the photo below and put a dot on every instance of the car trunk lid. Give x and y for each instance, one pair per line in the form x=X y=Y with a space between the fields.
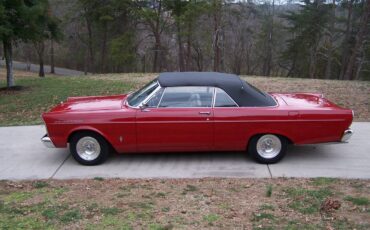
x=305 y=99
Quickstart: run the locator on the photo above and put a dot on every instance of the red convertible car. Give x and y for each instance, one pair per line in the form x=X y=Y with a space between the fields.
x=191 y=111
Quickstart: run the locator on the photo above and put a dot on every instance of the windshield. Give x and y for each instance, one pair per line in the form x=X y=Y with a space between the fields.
x=136 y=98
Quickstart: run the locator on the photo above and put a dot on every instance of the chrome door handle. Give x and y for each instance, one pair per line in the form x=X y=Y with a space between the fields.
x=205 y=113
x=145 y=110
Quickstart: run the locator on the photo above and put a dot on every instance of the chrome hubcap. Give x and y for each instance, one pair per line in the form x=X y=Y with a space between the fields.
x=268 y=146
x=88 y=148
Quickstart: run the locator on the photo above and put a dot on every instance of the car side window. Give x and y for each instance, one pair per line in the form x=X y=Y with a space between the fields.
x=223 y=99
x=154 y=100
x=187 y=96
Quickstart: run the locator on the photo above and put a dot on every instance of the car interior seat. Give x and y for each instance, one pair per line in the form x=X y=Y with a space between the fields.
x=195 y=100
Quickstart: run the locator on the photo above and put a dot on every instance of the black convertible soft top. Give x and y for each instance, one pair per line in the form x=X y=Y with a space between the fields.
x=243 y=93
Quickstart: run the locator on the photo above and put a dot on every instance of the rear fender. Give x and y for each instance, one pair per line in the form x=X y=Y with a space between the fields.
x=289 y=137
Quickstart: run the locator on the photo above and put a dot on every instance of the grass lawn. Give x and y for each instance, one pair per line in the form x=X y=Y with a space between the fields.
x=321 y=203
x=25 y=107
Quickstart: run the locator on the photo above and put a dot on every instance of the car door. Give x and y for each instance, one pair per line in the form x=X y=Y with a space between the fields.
x=229 y=130
x=176 y=119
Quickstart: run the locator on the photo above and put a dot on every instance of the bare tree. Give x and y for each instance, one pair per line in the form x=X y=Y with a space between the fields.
x=360 y=39
x=217 y=35
x=52 y=64
x=347 y=37
x=331 y=40
x=269 y=46
x=40 y=48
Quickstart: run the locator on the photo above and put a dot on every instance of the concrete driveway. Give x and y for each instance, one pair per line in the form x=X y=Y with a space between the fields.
x=23 y=156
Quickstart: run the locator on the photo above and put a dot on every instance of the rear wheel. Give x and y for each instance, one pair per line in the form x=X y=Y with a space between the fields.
x=89 y=148
x=267 y=148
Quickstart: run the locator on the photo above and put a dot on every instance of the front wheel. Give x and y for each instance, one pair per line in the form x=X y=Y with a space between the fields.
x=89 y=148
x=267 y=148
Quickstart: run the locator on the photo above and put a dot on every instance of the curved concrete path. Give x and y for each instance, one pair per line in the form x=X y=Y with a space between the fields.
x=35 y=68
x=23 y=156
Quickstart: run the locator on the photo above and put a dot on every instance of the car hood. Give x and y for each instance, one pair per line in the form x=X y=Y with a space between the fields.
x=93 y=103
x=305 y=99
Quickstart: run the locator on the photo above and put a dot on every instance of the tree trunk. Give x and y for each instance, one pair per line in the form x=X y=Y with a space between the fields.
x=346 y=47
x=216 y=35
x=329 y=65
x=199 y=58
x=104 y=48
x=360 y=36
x=156 y=30
x=248 y=59
x=8 y=53
x=40 y=47
x=157 y=48
x=292 y=67
x=157 y=62
x=52 y=66
x=188 y=53
x=41 y=71
x=359 y=67
x=90 y=46
x=143 y=63
x=312 y=63
x=328 y=69
x=314 y=50
x=267 y=62
x=28 y=55
x=181 y=49
x=86 y=61
x=155 y=59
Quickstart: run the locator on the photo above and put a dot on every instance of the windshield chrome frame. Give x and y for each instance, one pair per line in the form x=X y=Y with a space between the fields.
x=146 y=99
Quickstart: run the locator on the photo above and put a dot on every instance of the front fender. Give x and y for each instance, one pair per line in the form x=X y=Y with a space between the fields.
x=85 y=128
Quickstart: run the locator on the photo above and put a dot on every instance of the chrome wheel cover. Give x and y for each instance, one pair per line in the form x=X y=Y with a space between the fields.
x=88 y=148
x=268 y=146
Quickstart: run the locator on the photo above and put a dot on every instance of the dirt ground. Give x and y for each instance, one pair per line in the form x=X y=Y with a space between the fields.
x=322 y=203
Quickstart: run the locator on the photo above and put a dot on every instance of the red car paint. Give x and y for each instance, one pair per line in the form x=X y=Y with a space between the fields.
x=303 y=118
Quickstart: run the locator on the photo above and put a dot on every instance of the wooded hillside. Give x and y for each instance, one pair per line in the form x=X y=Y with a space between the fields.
x=312 y=39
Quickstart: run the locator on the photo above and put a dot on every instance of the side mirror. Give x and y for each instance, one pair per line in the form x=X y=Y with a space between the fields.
x=143 y=106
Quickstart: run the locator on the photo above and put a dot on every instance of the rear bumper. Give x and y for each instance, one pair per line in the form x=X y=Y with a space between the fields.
x=347 y=135
x=47 y=141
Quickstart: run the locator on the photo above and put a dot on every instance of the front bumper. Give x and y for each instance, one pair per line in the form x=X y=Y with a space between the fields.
x=47 y=141
x=347 y=135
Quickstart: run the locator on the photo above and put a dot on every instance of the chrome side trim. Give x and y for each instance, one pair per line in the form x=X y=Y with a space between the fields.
x=347 y=135
x=47 y=141
x=238 y=121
